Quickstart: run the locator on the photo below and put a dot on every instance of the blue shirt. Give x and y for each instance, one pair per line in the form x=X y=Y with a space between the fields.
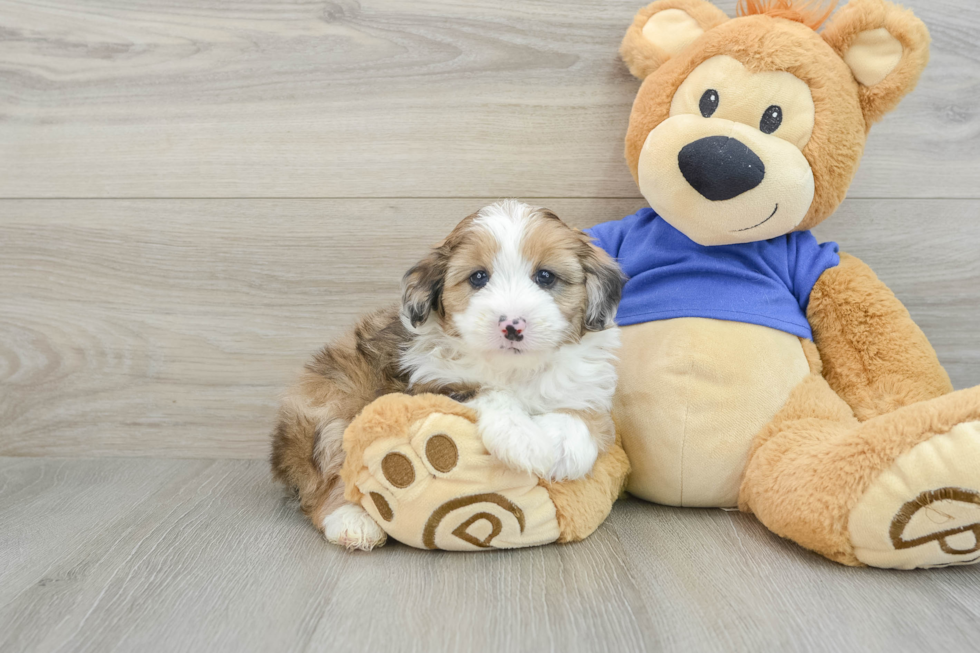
x=670 y=276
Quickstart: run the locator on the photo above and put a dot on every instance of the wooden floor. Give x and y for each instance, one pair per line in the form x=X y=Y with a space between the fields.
x=180 y=555
x=196 y=195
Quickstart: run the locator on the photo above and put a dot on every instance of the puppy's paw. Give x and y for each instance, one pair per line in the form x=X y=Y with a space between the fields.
x=577 y=450
x=512 y=436
x=518 y=443
x=351 y=527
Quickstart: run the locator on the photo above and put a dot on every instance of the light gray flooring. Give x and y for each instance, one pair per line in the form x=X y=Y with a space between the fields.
x=194 y=196
x=179 y=555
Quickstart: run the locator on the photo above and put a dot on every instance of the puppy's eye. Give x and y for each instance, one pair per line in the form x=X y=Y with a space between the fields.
x=479 y=279
x=771 y=119
x=545 y=278
x=709 y=103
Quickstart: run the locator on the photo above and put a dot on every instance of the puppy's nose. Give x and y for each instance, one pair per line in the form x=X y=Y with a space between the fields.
x=512 y=328
x=720 y=168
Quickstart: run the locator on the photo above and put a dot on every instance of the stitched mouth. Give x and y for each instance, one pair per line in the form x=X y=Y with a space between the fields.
x=771 y=216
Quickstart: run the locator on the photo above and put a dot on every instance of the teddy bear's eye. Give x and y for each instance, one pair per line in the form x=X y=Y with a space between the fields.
x=771 y=119
x=709 y=103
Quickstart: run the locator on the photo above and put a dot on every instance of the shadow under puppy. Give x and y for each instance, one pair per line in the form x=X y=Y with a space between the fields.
x=512 y=313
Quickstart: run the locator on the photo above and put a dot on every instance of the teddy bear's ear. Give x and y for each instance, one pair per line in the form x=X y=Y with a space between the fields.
x=885 y=46
x=664 y=28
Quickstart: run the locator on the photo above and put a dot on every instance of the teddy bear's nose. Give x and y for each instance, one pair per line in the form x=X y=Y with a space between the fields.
x=720 y=167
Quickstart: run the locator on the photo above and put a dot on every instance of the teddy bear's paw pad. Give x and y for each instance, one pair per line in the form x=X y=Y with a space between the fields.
x=438 y=488
x=925 y=510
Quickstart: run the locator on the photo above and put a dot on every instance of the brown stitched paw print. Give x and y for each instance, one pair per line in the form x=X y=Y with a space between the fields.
x=948 y=516
x=437 y=487
x=924 y=511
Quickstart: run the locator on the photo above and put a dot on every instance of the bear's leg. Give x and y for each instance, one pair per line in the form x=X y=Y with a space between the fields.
x=901 y=490
x=418 y=466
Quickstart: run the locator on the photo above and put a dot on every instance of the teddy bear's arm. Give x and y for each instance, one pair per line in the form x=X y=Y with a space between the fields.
x=874 y=356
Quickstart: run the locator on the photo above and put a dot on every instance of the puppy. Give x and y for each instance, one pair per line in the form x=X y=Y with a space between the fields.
x=513 y=313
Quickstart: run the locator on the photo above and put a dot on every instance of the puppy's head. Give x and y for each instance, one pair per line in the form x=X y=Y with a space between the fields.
x=512 y=279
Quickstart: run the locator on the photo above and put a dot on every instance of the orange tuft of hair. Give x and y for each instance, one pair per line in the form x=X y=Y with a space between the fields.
x=811 y=13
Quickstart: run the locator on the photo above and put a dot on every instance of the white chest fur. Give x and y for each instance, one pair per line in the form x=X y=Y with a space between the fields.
x=693 y=393
x=578 y=376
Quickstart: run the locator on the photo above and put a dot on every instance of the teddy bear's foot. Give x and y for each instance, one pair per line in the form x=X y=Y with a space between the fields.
x=430 y=483
x=924 y=511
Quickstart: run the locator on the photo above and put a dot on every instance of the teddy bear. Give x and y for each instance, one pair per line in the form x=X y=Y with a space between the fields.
x=760 y=369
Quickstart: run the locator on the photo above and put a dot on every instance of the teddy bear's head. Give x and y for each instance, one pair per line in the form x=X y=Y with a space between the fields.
x=749 y=128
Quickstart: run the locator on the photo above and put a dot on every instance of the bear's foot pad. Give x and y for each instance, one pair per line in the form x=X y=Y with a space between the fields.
x=437 y=487
x=925 y=510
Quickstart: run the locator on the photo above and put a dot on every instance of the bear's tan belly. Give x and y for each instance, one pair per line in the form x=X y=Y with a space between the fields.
x=692 y=395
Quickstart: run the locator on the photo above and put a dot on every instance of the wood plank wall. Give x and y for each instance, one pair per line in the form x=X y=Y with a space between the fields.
x=195 y=196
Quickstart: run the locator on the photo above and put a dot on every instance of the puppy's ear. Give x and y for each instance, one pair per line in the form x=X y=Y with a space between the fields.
x=885 y=46
x=422 y=286
x=603 y=287
x=664 y=28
